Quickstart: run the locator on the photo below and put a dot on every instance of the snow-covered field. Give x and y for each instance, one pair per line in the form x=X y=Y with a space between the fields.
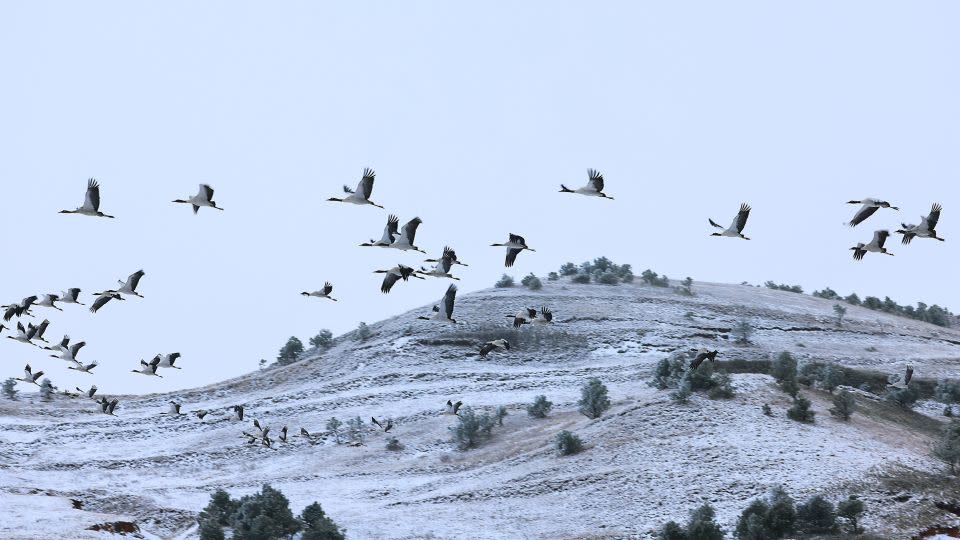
x=648 y=460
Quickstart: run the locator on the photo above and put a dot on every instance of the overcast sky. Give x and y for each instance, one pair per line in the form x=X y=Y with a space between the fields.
x=472 y=117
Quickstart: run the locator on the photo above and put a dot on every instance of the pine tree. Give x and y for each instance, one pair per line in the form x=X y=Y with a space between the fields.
x=333 y=426
x=355 y=430
x=844 y=405
x=210 y=530
x=816 y=515
x=264 y=516
x=850 y=511
x=742 y=331
x=593 y=399
x=290 y=351
x=784 y=370
x=220 y=509
x=947 y=448
x=363 y=332
x=540 y=407
x=800 y=411
x=672 y=531
x=322 y=340
x=840 y=311
x=504 y=282
x=702 y=526
x=10 y=388
x=318 y=526
x=567 y=443
x=46 y=389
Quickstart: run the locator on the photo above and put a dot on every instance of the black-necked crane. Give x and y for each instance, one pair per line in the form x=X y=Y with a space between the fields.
x=385 y=426
x=322 y=293
x=91 y=202
x=407 y=235
x=515 y=244
x=594 y=187
x=237 y=412
x=89 y=393
x=174 y=408
x=304 y=432
x=524 y=316
x=200 y=414
x=107 y=407
x=103 y=298
x=70 y=353
x=24 y=335
x=40 y=329
x=735 y=230
x=83 y=368
x=544 y=317
x=441 y=269
x=702 y=355
x=449 y=253
x=29 y=376
x=904 y=381
x=443 y=312
x=875 y=245
x=927 y=228
x=62 y=346
x=18 y=310
x=70 y=296
x=149 y=368
x=869 y=206
x=204 y=197
x=129 y=287
x=48 y=300
x=453 y=408
x=491 y=346
x=390 y=233
x=167 y=360
x=362 y=194
x=395 y=274
x=283 y=434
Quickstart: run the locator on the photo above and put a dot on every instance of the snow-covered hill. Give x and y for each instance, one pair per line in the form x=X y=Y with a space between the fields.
x=64 y=467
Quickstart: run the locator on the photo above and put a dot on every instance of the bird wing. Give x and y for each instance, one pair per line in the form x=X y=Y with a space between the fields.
x=27 y=372
x=134 y=279
x=517 y=239
x=714 y=223
x=73 y=293
x=388 y=281
x=742 y=216
x=862 y=214
x=99 y=302
x=42 y=328
x=75 y=348
x=879 y=237
x=512 y=256
x=92 y=199
x=365 y=187
x=206 y=192
x=390 y=230
x=410 y=230
x=448 y=300
x=487 y=347
x=327 y=288
x=908 y=376
x=374 y=420
x=596 y=180
x=456 y=406
x=933 y=217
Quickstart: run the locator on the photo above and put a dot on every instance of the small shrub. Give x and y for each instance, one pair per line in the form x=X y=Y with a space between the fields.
x=318 y=526
x=800 y=411
x=531 y=282
x=723 y=386
x=767 y=410
x=567 y=443
x=393 y=444
x=948 y=411
x=333 y=426
x=682 y=393
x=540 y=407
x=839 y=311
x=355 y=430
x=947 y=448
x=672 y=531
x=701 y=525
x=46 y=390
x=742 y=331
x=608 y=278
x=947 y=391
x=499 y=413
x=363 y=332
x=652 y=278
x=322 y=340
x=581 y=279
x=904 y=397
x=784 y=371
x=472 y=429
x=568 y=269
x=843 y=405
x=850 y=511
x=504 y=282
x=593 y=399
x=10 y=388
x=553 y=276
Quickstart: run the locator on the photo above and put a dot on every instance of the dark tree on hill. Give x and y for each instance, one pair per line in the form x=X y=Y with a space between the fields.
x=784 y=370
x=10 y=388
x=947 y=448
x=593 y=399
x=831 y=376
x=853 y=299
x=844 y=405
x=742 y=331
x=264 y=516
x=322 y=340
x=333 y=426
x=569 y=269
x=827 y=293
x=290 y=352
x=840 y=312
x=220 y=509
x=751 y=525
x=504 y=282
x=672 y=531
x=210 y=530
x=701 y=525
x=318 y=526
x=904 y=397
x=850 y=511
x=472 y=428
x=947 y=391
x=800 y=411
x=46 y=390
x=553 y=276
x=540 y=407
x=567 y=443
x=816 y=515
x=362 y=332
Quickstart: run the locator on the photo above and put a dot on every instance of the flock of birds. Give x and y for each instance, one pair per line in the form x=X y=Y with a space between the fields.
x=392 y=237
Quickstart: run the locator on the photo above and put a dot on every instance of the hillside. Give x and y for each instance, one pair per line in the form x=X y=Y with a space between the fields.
x=648 y=460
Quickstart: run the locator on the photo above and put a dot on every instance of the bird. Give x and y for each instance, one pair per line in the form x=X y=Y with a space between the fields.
x=149 y=368
x=904 y=381
x=238 y=412
x=390 y=232
x=91 y=202
x=544 y=317
x=362 y=194
x=524 y=316
x=453 y=408
x=702 y=355
x=70 y=353
x=40 y=329
x=594 y=187
x=322 y=293
x=103 y=298
x=283 y=434
x=395 y=274
x=407 y=234
x=385 y=427
x=29 y=376
x=514 y=246
x=48 y=300
x=2 y=328
x=926 y=229
x=204 y=197
x=24 y=336
x=449 y=253
x=200 y=414
x=444 y=311
x=17 y=310
x=167 y=360
x=62 y=346
x=107 y=407
x=490 y=346
x=304 y=432
x=875 y=245
x=129 y=287
x=174 y=408
x=442 y=268
x=869 y=207
x=83 y=368
x=69 y=296
x=89 y=393
x=735 y=229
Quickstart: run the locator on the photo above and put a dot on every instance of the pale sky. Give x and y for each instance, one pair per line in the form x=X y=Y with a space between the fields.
x=472 y=116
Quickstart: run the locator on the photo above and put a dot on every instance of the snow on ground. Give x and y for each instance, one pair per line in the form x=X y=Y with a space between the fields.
x=648 y=460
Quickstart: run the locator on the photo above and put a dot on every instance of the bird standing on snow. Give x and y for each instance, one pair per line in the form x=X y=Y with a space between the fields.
x=390 y=233
x=869 y=207
x=491 y=346
x=395 y=274
x=322 y=293
x=735 y=230
x=444 y=311
x=103 y=298
x=702 y=355
x=363 y=191
x=875 y=245
x=91 y=203
x=594 y=187
x=514 y=246
x=29 y=376
x=204 y=197
x=926 y=229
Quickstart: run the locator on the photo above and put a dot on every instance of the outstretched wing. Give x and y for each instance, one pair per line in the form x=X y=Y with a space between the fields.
x=742 y=216
x=327 y=288
x=410 y=229
x=134 y=279
x=596 y=180
x=388 y=282
x=75 y=348
x=365 y=187
x=448 y=299
x=862 y=214
x=516 y=238
x=206 y=192
x=92 y=199
x=933 y=217
x=879 y=237
x=512 y=256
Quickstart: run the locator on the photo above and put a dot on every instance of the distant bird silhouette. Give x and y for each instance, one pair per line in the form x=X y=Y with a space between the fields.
x=735 y=230
x=322 y=293
x=407 y=235
x=48 y=300
x=448 y=252
x=362 y=194
x=149 y=368
x=204 y=197
x=702 y=355
x=29 y=376
x=927 y=228
x=442 y=268
x=875 y=245
x=69 y=296
x=91 y=202
x=515 y=244
x=491 y=346
x=869 y=207
x=594 y=187
x=129 y=287
x=385 y=427
x=83 y=368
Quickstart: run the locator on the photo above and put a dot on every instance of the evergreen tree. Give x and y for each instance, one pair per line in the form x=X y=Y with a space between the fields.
x=840 y=311
x=540 y=407
x=816 y=515
x=853 y=299
x=355 y=430
x=553 y=276
x=322 y=340
x=850 y=511
x=333 y=426
x=781 y=518
x=504 y=282
x=363 y=332
x=947 y=391
x=784 y=370
x=318 y=526
x=567 y=443
x=682 y=393
x=210 y=530
x=722 y=386
x=742 y=331
x=290 y=352
x=46 y=389
x=393 y=444
x=264 y=516
x=831 y=376
x=568 y=269
x=702 y=526
x=800 y=411
x=593 y=399
x=220 y=509
x=499 y=413
x=532 y=282
x=581 y=278
x=672 y=531
x=751 y=523
x=947 y=448
x=767 y=410
x=471 y=428
x=844 y=405
x=904 y=397
x=10 y=388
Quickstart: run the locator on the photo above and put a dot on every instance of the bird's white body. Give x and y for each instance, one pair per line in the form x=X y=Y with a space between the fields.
x=70 y=296
x=443 y=312
x=361 y=195
x=167 y=360
x=204 y=197
x=405 y=242
x=91 y=202
x=48 y=300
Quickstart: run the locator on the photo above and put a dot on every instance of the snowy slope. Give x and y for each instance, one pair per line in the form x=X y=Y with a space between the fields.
x=647 y=461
